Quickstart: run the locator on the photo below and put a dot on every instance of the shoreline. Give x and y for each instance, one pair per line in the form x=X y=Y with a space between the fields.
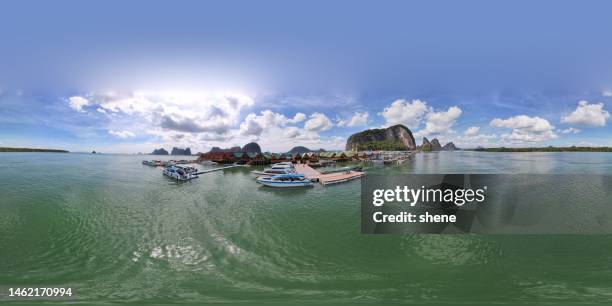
x=543 y=149
x=30 y=150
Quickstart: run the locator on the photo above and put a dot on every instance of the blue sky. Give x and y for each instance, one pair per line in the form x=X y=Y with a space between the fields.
x=131 y=76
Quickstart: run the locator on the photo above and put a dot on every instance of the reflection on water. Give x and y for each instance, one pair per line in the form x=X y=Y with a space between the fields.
x=116 y=230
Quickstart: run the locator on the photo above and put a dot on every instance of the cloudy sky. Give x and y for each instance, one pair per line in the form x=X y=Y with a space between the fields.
x=131 y=76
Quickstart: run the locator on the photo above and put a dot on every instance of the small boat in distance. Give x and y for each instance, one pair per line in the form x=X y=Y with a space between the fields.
x=285 y=180
x=180 y=173
x=156 y=163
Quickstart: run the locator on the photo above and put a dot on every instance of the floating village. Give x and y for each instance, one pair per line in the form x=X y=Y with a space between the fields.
x=302 y=167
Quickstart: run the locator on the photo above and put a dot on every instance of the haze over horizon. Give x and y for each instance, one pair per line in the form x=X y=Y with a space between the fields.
x=200 y=75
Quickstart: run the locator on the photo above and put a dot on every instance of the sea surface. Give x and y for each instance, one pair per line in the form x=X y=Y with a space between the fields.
x=116 y=231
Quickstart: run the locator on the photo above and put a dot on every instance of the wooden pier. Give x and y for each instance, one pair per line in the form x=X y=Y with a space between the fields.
x=218 y=169
x=334 y=178
x=327 y=179
x=308 y=172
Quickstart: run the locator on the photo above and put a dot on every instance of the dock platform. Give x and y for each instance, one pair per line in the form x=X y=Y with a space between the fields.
x=308 y=172
x=327 y=179
x=334 y=178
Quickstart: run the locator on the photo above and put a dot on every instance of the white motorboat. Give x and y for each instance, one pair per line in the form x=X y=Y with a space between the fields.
x=188 y=169
x=180 y=173
x=288 y=165
x=155 y=163
x=274 y=171
x=207 y=162
x=285 y=180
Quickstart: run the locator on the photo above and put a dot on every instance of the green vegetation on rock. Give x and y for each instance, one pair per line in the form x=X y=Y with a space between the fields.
x=396 y=138
x=3 y=149
x=383 y=145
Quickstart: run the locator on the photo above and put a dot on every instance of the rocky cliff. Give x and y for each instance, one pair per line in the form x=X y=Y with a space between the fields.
x=449 y=147
x=435 y=145
x=160 y=151
x=177 y=151
x=251 y=147
x=397 y=137
x=299 y=150
x=426 y=146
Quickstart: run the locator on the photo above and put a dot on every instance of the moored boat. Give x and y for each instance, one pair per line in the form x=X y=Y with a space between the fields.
x=285 y=180
x=180 y=173
x=156 y=163
x=274 y=171
x=288 y=165
x=188 y=169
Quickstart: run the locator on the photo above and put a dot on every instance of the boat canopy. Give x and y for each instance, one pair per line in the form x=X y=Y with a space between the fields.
x=289 y=175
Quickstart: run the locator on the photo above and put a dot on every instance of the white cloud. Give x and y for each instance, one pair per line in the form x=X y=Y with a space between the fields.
x=587 y=115
x=299 y=117
x=472 y=141
x=525 y=128
x=407 y=113
x=440 y=122
x=570 y=130
x=197 y=119
x=292 y=132
x=411 y=114
x=479 y=140
x=251 y=126
x=77 y=103
x=472 y=131
x=122 y=134
x=255 y=124
x=213 y=113
x=318 y=122
x=274 y=131
x=201 y=121
x=358 y=119
x=607 y=93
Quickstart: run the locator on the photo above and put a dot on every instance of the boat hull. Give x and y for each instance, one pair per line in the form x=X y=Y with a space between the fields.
x=258 y=173
x=280 y=184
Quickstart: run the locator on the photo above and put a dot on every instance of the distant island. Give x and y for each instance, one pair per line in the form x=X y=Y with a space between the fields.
x=546 y=149
x=251 y=147
x=302 y=150
x=160 y=151
x=178 y=151
x=394 y=138
x=175 y=151
x=434 y=145
x=4 y=149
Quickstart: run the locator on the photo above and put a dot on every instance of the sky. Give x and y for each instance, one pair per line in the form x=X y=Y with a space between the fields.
x=132 y=76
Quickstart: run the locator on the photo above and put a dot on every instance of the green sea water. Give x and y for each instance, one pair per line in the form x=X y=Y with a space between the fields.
x=116 y=231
